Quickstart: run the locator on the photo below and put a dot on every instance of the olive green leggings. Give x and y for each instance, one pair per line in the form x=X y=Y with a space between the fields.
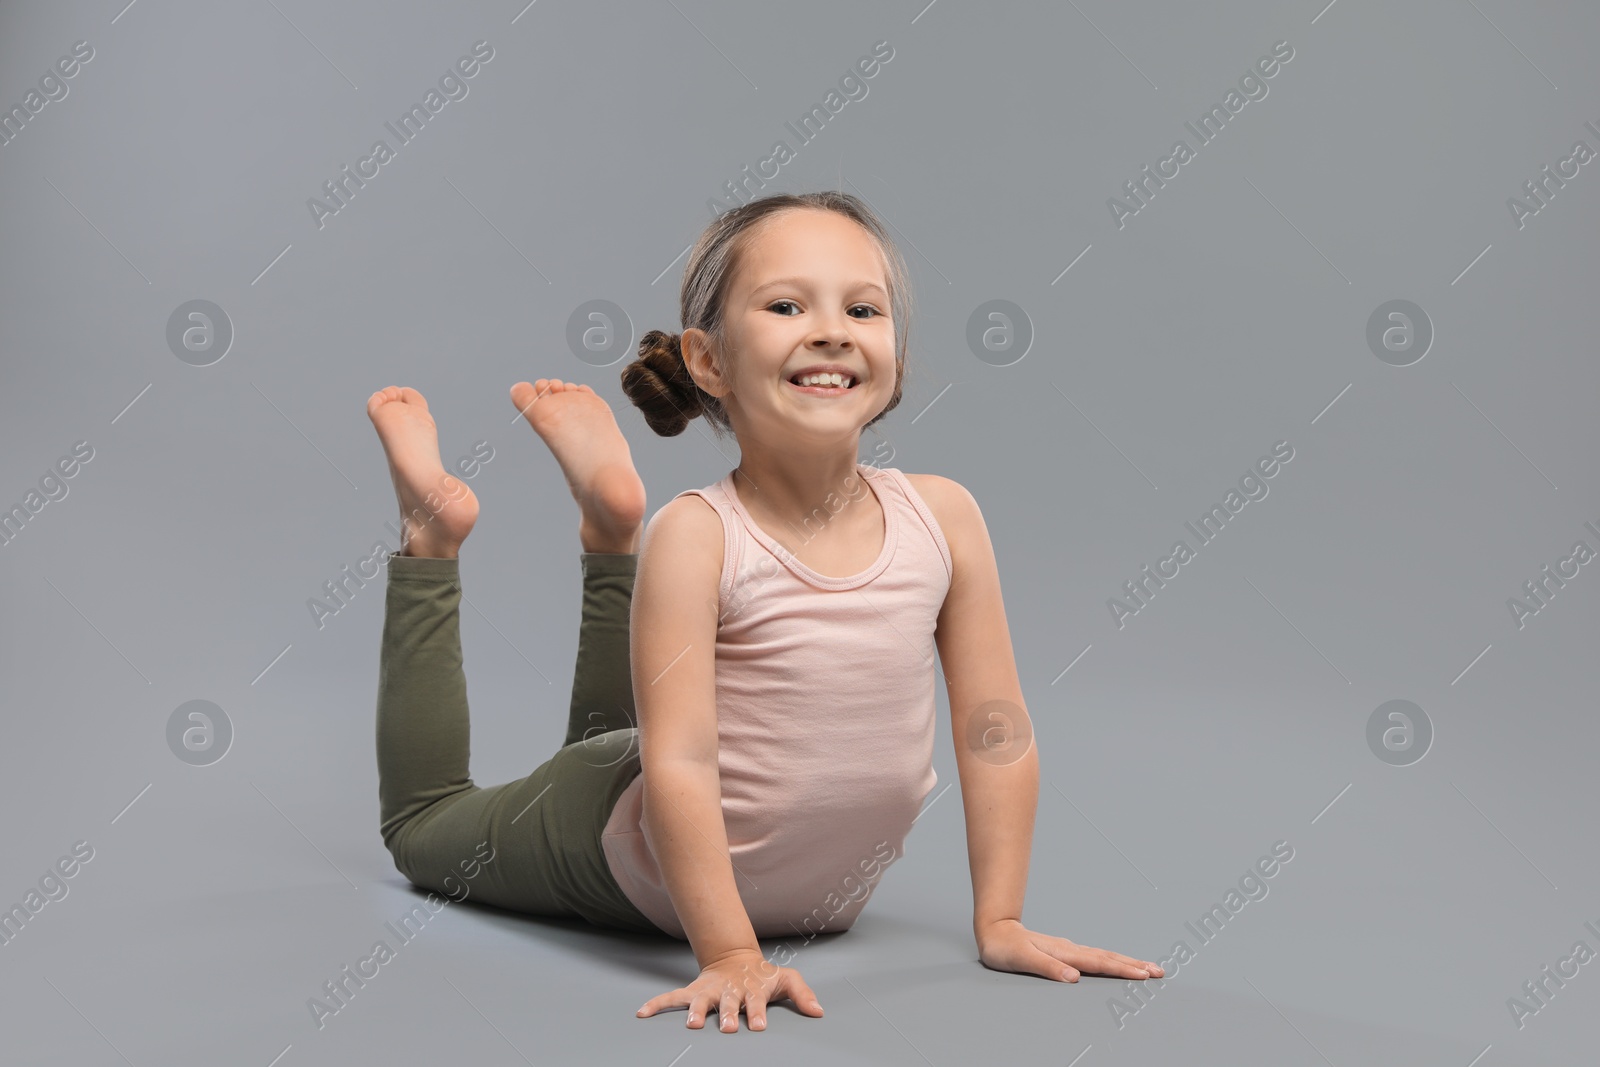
x=544 y=829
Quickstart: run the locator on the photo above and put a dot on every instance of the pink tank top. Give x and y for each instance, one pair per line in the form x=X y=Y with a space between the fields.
x=825 y=716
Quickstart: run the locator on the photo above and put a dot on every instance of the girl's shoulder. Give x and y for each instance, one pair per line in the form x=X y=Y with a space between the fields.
x=952 y=507
x=941 y=494
x=688 y=523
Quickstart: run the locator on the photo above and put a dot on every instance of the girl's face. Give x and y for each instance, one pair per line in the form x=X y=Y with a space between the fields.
x=810 y=289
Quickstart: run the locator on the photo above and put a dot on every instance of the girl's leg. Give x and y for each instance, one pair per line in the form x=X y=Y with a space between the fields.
x=601 y=742
x=531 y=844
x=602 y=682
x=578 y=427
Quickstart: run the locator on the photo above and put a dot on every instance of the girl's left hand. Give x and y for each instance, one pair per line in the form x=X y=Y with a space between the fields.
x=1007 y=945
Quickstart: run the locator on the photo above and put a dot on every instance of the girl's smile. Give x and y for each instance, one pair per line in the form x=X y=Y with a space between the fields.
x=818 y=379
x=822 y=390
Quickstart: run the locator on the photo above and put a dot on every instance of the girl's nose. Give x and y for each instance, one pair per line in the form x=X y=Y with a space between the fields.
x=831 y=333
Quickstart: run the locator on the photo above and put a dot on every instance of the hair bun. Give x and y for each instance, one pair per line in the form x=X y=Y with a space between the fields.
x=659 y=384
x=661 y=341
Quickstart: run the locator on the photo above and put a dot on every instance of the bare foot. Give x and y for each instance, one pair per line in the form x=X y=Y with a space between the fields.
x=437 y=510
x=580 y=430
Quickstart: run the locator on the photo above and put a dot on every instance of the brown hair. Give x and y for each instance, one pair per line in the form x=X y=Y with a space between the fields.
x=659 y=383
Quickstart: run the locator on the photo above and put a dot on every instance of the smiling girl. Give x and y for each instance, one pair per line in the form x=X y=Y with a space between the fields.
x=751 y=729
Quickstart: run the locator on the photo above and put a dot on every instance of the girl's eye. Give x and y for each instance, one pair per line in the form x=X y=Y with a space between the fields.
x=790 y=303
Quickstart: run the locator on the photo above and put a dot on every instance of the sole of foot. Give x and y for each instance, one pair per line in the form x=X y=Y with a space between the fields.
x=437 y=510
x=582 y=433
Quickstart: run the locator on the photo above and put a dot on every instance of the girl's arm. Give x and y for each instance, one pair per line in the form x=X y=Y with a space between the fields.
x=988 y=722
x=999 y=791
x=672 y=642
x=672 y=639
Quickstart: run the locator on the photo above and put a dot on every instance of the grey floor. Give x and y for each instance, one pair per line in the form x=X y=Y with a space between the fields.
x=1151 y=365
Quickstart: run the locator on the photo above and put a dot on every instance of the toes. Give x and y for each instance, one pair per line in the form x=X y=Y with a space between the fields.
x=525 y=394
x=381 y=397
x=391 y=394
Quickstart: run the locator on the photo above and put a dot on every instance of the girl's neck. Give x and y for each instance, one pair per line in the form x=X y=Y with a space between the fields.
x=793 y=487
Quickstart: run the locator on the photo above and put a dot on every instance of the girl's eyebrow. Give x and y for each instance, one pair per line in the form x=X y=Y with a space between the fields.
x=805 y=281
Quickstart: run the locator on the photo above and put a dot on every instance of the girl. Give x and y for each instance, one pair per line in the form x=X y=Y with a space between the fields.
x=777 y=647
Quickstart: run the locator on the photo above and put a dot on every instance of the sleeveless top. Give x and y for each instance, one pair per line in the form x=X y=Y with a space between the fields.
x=825 y=716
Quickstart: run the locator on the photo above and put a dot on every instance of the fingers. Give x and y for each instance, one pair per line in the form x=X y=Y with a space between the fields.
x=1059 y=963
x=1115 y=964
x=672 y=999
x=1139 y=967
x=803 y=997
x=728 y=1011
x=1117 y=957
x=727 y=998
x=1048 y=966
x=755 y=1010
x=698 y=1005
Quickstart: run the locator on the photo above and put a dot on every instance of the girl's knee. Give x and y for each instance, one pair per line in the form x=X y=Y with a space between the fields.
x=397 y=842
x=406 y=833
x=406 y=842
x=444 y=858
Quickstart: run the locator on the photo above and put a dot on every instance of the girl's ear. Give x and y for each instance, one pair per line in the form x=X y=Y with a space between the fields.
x=696 y=346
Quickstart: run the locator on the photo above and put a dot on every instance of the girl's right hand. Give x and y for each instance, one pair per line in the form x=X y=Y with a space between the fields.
x=744 y=978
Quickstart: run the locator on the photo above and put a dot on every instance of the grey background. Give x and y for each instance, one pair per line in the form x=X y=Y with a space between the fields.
x=1225 y=316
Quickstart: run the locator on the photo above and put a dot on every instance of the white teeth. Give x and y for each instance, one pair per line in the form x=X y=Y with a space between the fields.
x=834 y=379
